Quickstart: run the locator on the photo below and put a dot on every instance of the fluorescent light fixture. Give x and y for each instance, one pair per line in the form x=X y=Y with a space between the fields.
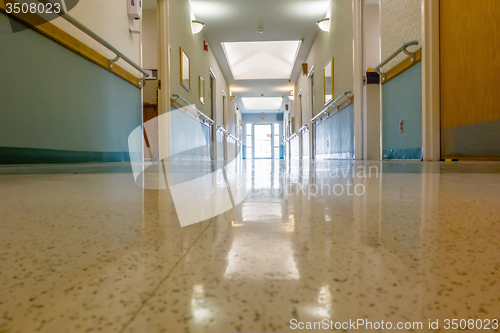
x=212 y=9
x=238 y=89
x=310 y=8
x=262 y=103
x=197 y=26
x=324 y=24
x=261 y=60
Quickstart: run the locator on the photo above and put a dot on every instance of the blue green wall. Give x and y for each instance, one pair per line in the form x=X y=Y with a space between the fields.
x=56 y=106
x=335 y=136
x=402 y=99
x=187 y=133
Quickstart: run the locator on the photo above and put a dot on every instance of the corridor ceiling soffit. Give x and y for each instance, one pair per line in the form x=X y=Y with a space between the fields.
x=261 y=60
x=262 y=103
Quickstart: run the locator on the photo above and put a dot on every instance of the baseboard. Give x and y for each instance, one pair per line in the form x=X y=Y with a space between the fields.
x=336 y=156
x=11 y=155
x=402 y=154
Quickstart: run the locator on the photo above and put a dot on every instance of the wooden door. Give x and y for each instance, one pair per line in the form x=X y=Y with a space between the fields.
x=470 y=83
x=151 y=144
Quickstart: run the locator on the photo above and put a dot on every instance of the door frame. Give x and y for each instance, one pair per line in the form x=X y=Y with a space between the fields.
x=213 y=111
x=312 y=130
x=224 y=122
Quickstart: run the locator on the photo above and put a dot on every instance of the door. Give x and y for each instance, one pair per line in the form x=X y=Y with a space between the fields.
x=469 y=51
x=301 y=122
x=151 y=143
x=213 y=98
x=224 y=122
x=263 y=144
x=313 y=126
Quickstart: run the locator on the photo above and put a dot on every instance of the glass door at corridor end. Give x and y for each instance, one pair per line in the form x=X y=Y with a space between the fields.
x=262 y=141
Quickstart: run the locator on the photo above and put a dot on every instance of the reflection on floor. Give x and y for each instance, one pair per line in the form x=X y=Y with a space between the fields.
x=84 y=249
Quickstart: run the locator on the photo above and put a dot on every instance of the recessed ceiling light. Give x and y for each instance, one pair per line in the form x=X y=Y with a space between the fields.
x=262 y=103
x=261 y=60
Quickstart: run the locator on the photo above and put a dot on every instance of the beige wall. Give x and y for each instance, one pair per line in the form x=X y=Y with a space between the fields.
x=180 y=34
x=401 y=22
x=337 y=43
x=108 y=19
x=371 y=31
x=149 y=39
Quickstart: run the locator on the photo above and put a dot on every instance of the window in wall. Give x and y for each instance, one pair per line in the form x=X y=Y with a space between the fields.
x=276 y=140
x=248 y=141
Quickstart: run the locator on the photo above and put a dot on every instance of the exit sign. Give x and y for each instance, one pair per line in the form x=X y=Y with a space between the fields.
x=262 y=118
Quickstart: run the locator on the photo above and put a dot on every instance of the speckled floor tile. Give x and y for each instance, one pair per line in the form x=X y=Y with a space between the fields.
x=94 y=252
x=81 y=252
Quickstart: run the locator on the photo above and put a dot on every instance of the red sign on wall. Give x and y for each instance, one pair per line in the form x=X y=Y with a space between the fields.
x=242 y=123
x=262 y=118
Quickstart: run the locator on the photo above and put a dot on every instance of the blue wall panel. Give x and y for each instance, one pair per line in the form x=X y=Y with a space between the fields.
x=305 y=145
x=402 y=100
x=59 y=107
x=190 y=139
x=335 y=136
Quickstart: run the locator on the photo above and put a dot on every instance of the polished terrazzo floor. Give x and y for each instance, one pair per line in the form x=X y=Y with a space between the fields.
x=84 y=249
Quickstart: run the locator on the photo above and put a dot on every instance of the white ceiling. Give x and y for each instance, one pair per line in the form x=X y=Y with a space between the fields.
x=261 y=60
x=269 y=104
x=238 y=21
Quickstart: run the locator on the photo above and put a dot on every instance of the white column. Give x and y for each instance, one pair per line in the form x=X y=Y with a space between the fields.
x=357 y=10
x=431 y=141
x=371 y=97
x=164 y=77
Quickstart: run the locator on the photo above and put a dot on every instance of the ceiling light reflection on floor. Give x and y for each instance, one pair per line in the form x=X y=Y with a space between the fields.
x=260 y=213
x=254 y=256
x=203 y=312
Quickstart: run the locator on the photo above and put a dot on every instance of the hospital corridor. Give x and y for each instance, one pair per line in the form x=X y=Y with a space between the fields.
x=229 y=166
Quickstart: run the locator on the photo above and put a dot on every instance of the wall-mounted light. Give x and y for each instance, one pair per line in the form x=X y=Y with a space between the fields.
x=291 y=97
x=197 y=26
x=324 y=24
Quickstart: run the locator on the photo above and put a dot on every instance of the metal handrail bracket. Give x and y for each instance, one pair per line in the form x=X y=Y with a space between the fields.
x=404 y=49
x=206 y=118
x=304 y=129
x=329 y=105
x=221 y=129
x=238 y=141
x=99 y=39
x=293 y=136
